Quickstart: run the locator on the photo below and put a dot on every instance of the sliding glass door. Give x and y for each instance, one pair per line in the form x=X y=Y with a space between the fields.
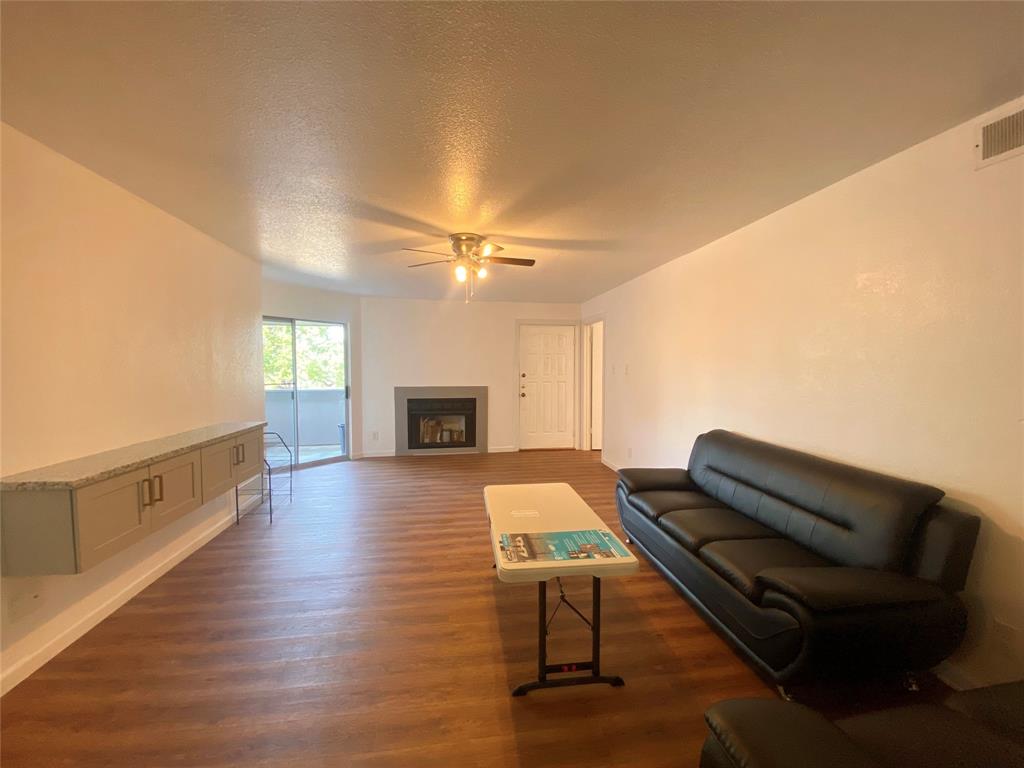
x=279 y=379
x=320 y=391
x=305 y=381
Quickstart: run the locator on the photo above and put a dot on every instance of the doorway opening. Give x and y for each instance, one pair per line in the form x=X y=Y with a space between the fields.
x=547 y=386
x=306 y=390
x=593 y=386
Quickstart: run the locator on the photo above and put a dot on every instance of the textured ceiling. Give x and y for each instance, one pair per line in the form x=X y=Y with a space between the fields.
x=599 y=139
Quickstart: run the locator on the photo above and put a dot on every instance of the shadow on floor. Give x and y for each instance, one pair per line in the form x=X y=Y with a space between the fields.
x=670 y=679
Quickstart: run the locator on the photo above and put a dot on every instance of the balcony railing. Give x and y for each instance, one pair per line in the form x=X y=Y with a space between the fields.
x=322 y=421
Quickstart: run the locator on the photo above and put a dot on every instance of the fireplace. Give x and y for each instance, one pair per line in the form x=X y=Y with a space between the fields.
x=441 y=422
x=433 y=420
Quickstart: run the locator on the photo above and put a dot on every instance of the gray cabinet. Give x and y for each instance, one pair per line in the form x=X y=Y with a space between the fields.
x=69 y=517
x=111 y=515
x=38 y=533
x=54 y=532
x=177 y=488
x=228 y=463
x=250 y=455
x=218 y=468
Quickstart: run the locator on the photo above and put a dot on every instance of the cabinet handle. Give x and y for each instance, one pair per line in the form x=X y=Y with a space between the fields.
x=242 y=449
x=234 y=455
x=158 y=481
x=146 y=491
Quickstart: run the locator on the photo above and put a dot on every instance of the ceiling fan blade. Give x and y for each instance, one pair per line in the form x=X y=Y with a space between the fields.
x=487 y=248
x=381 y=247
x=425 y=263
x=513 y=262
x=420 y=250
x=557 y=244
x=371 y=212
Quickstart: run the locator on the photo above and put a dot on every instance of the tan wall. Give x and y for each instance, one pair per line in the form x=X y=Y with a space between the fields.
x=878 y=322
x=120 y=323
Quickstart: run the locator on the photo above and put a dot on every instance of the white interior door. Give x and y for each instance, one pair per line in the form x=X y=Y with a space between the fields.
x=547 y=385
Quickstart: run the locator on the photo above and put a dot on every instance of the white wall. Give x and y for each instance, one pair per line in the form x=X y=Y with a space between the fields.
x=413 y=342
x=410 y=342
x=878 y=322
x=120 y=323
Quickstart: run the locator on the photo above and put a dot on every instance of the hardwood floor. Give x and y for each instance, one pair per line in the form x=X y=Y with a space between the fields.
x=365 y=627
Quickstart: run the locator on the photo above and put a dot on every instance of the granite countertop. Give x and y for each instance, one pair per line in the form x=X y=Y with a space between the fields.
x=75 y=473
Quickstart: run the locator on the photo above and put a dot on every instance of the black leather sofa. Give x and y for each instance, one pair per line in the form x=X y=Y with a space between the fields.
x=809 y=567
x=983 y=728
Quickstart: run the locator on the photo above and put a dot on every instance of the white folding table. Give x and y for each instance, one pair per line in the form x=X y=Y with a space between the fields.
x=515 y=512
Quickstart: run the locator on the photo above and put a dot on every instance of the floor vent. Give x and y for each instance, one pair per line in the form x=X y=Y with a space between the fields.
x=1000 y=139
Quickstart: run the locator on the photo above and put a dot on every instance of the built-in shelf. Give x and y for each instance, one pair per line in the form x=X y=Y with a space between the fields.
x=68 y=517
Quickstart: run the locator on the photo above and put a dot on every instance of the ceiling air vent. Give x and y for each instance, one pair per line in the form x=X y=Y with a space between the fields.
x=1001 y=139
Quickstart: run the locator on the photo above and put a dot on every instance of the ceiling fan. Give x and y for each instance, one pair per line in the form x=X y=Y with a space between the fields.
x=471 y=255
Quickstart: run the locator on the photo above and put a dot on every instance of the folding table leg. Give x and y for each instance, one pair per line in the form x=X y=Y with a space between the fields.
x=593 y=666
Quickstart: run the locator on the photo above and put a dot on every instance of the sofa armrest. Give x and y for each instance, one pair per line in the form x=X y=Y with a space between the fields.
x=655 y=479
x=835 y=588
x=943 y=546
x=763 y=733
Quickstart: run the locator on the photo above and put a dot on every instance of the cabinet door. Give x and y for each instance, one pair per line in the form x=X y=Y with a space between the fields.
x=250 y=447
x=218 y=461
x=177 y=488
x=111 y=515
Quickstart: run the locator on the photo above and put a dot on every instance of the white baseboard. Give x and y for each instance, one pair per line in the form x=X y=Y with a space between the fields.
x=44 y=642
x=380 y=454
x=608 y=464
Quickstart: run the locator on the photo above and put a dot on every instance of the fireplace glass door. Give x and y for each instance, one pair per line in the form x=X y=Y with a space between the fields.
x=444 y=422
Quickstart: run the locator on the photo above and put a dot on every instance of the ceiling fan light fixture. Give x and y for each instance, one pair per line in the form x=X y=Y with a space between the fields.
x=472 y=256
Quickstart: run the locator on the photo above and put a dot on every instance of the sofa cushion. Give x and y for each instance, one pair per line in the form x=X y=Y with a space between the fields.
x=932 y=736
x=654 y=504
x=762 y=733
x=775 y=635
x=693 y=528
x=849 y=515
x=739 y=561
x=836 y=588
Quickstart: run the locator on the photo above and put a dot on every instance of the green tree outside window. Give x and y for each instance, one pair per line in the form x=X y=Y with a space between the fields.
x=320 y=356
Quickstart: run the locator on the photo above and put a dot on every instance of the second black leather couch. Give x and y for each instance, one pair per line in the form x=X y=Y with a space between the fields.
x=983 y=728
x=810 y=567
